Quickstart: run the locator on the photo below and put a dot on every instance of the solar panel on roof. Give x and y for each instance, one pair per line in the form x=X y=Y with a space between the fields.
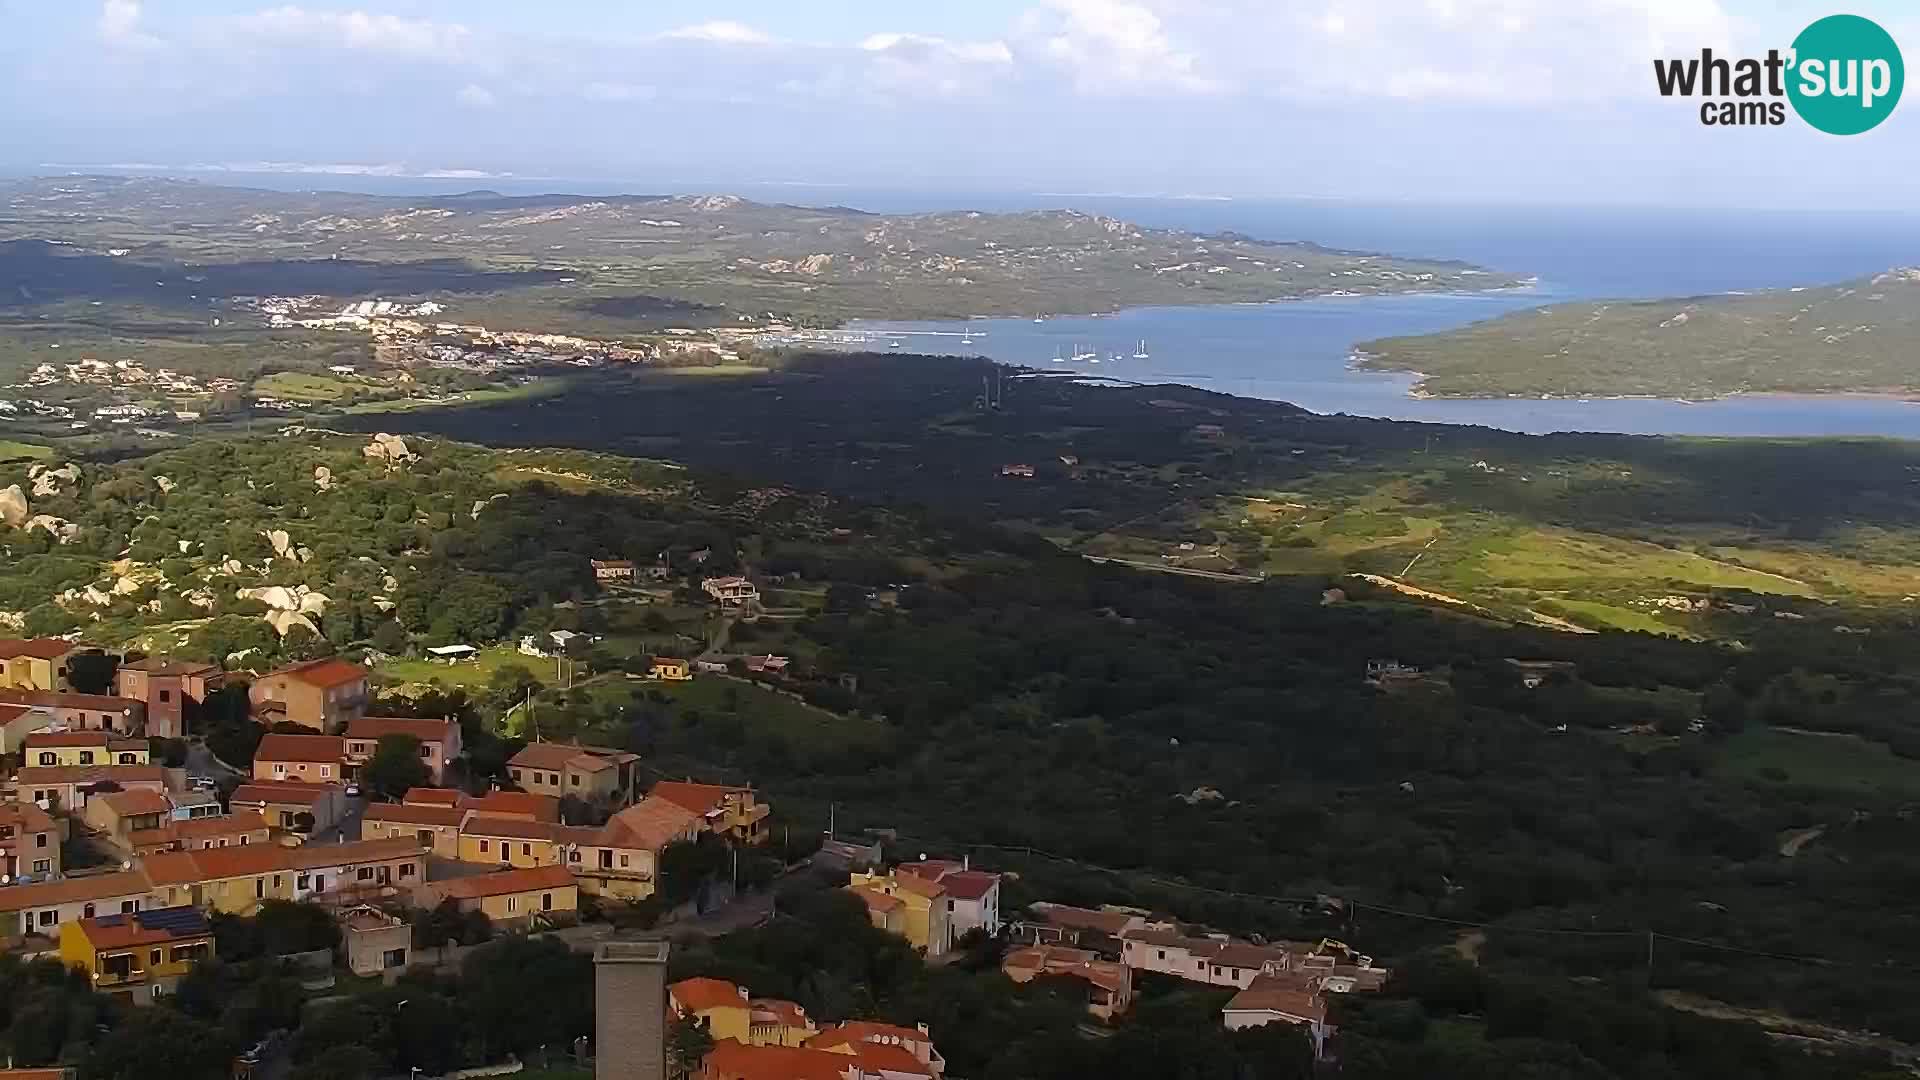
x=177 y=920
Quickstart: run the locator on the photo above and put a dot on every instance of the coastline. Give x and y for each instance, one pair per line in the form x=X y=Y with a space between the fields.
x=1356 y=361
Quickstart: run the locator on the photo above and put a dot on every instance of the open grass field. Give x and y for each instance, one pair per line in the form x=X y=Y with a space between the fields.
x=10 y=449
x=301 y=386
x=1836 y=762
x=475 y=673
x=771 y=714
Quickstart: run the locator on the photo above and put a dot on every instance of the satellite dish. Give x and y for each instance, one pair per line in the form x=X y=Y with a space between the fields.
x=126 y=864
x=6 y=879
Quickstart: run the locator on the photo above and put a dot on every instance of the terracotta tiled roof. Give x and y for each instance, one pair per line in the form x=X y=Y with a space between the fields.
x=308 y=748
x=25 y=817
x=1279 y=996
x=513 y=804
x=48 y=740
x=919 y=886
x=153 y=927
x=737 y=1061
x=875 y=899
x=542 y=755
x=511 y=828
x=281 y=791
x=36 y=1074
x=10 y=713
x=377 y=727
x=701 y=799
x=650 y=823
x=699 y=995
x=887 y=1058
x=324 y=674
x=592 y=763
x=506 y=882
x=859 y=1031
x=414 y=814
x=53 y=775
x=51 y=699
x=38 y=648
x=215 y=864
x=137 y=802
x=73 y=890
x=197 y=830
x=969 y=884
x=431 y=796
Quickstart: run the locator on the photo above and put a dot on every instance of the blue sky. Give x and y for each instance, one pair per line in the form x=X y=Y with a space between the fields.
x=1536 y=100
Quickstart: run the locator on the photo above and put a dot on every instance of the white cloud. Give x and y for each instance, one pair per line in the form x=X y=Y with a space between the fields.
x=358 y=31
x=119 y=25
x=721 y=32
x=475 y=96
x=1114 y=46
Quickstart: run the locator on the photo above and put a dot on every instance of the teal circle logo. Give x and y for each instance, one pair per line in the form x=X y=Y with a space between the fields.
x=1846 y=75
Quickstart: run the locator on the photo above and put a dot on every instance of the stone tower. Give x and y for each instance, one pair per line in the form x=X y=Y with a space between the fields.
x=630 y=1010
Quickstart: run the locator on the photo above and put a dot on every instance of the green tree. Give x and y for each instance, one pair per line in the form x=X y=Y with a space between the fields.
x=395 y=767
x=688 y=1042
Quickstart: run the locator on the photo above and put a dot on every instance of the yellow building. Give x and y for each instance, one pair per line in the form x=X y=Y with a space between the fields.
x=904 y=904
x=511 y=842
x=728 y=1012
x=619 y=859
x=234 y=880
x=53 y=748
x=543 y=895
x=138 y=956
x=35 y=664
x=670 y=668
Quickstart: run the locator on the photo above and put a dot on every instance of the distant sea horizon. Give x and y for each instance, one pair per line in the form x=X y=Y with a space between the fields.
x=1298 y=351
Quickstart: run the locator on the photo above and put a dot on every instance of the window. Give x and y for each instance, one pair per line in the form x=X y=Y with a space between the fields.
x=44 y=866
x=526 y=849
x=47 y=758
x=483 y=847
x=516 y=776
x=39 y=839
x=606 y=859
x=623 y=860
x=153 y=959
x=243 y=843
x=259 y=887
x=365 y=873
x=196 y=951
x=326 y=770
x=87 y=912
x=1160 y=954
x=48 y=918
x=546 y=901
x=127 y=907
x=506 y=852
x=426 y=753
x=166 y=696
x=127 y=759
x=301 y=881
x=573 y=856
x=286 y=819
x=86 y=757
x=576 y=780
x=406 y=869
x=424 y=836
x=279 y=770
x=513 y=903
x=278 y=880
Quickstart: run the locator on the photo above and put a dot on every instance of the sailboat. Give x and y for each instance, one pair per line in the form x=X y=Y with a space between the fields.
x=966 y=337
x=1081 y=352
x=1058 y=356
x=1141 y=352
